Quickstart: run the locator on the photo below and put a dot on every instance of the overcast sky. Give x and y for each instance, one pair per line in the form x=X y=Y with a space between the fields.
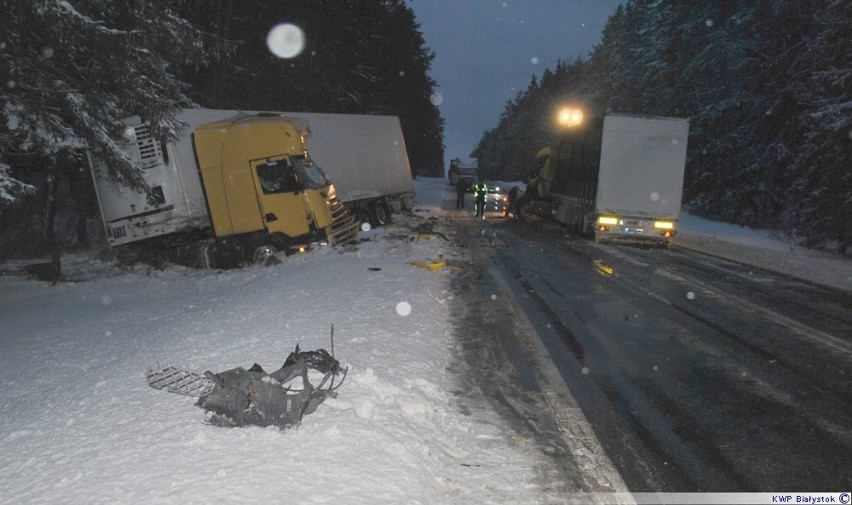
x=486 y=51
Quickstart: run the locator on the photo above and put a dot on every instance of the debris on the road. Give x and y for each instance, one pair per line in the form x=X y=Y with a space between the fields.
x=240 y=397
x=603 y=268
x=429 y=264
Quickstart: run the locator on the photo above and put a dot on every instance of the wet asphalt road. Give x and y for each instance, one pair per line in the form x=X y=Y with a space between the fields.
x=695 y=373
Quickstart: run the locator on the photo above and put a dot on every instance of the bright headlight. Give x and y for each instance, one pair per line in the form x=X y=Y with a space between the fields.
x=607 y=220
x=663 y=225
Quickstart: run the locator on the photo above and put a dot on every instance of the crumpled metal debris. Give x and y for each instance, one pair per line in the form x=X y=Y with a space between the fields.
x=240 y=397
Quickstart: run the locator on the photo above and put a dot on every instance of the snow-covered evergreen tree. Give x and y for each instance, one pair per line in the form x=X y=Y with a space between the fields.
x=359 y=57
x=766 y=86
x=71 y=71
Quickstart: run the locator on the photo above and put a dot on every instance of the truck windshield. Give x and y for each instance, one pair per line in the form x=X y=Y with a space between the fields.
x=310 y=174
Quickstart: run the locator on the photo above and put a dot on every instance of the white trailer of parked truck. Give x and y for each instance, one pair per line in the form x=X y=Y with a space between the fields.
x=618 y=176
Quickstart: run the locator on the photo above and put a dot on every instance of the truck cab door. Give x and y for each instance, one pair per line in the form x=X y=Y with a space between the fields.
x=280 y=197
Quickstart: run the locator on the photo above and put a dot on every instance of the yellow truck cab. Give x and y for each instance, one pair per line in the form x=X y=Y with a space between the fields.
x=257 y=176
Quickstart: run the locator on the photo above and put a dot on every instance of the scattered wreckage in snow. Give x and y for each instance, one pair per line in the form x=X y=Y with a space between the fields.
x=240 y=397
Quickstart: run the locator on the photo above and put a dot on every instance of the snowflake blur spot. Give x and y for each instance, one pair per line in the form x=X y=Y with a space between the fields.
x=403 y=308
x=365 y=226
x=402 y=73
x=534 y=60
x=493 y=297
x=11 y=84
x=436 y=98
x=709 y=22
x=690 y=295
x=655 y=197
x=286 y=40
x=585 y=370
x=106 y=300
x=46 y=52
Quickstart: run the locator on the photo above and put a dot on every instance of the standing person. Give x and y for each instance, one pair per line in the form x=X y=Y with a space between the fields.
x=479 y=192
x=461 y=189
x=513 y=203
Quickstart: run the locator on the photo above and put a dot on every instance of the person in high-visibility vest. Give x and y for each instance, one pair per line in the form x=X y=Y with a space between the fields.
x=479 y=192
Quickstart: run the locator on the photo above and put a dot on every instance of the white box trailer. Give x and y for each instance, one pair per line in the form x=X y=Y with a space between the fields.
x=619 y=176
x=366 y=158
x=641 y=167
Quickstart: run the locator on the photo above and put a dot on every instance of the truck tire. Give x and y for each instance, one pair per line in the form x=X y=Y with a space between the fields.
x=363 y=215
x=264 y=254
x=380 y=214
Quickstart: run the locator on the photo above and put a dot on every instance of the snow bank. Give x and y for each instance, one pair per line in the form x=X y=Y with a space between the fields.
x=81 y=425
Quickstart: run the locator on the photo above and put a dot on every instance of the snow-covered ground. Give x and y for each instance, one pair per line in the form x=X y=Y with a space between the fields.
x=763 y=249
x=79 y=424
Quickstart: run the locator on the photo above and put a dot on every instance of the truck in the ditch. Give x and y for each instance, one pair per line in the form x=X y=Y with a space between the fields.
x=232 y=188
x=616 y=176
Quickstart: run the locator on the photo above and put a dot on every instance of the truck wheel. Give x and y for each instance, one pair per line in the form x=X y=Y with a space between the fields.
x=380 y=214
x=264 y=254
x=363 y=215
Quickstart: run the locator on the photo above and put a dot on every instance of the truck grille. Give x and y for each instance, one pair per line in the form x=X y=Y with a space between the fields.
x=344 y=228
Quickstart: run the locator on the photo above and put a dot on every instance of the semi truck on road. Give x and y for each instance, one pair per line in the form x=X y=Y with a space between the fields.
x=466 y=173
x=617 y=176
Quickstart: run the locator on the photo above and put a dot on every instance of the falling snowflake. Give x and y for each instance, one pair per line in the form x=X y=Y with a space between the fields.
x=403 y=308
x=286 y=40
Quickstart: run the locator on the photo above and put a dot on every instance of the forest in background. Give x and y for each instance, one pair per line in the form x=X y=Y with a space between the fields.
x=70 y=72
x=766 y=85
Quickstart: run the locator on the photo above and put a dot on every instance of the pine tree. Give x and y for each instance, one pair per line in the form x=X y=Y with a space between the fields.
x=820 y=171
x=360 y=57
x=71 y=73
